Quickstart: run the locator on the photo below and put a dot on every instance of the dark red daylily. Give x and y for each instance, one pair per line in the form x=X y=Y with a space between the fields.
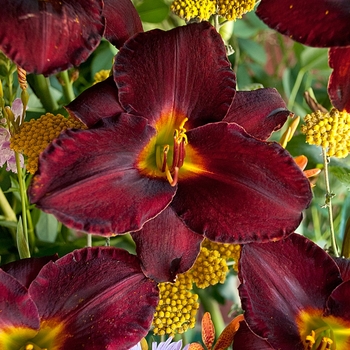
x=92 y=298
x=295 y=296
x=173 y=153
x=318 y=23
x=50 y=36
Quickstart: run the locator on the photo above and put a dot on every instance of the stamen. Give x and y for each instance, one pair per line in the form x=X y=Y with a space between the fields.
x=326 y=344
x=182 y=154
x=178 y=154
x=310 y=340
x=172 y=180
x=165 y=157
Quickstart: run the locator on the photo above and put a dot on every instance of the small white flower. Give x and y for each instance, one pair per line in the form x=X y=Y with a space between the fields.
x=164 y=345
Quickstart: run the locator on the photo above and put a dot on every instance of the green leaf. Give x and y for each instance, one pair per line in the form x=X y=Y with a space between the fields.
x=46 y=227
x=153 y=11
x=314 y=58
x=22 y=243
x=255 y=51
x=342 y=174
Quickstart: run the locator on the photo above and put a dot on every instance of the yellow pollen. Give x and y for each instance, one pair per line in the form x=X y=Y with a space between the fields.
x=101 y=76
x=234 y=9
x=34 y=136
x=330 y=131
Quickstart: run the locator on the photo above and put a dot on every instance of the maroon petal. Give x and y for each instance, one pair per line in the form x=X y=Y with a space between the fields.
x=166 y=246
x=339 y=81
x=100 y=296
x=245 y=190
x=122 y=21
x=160 y=73
x=338 y=304
x=50 y=36
x=260 y=112
x=98 y=102
x=88 y=178
x=25 y=270
x=17 y=308
x=317 y=23
x=344 y=267
x=247 y=340
x=278 y=280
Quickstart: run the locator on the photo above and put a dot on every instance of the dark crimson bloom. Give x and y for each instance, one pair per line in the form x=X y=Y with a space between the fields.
x=50 y=36
x=295 y=297
x=318 y=23
x=173 y=153
x=92 y=298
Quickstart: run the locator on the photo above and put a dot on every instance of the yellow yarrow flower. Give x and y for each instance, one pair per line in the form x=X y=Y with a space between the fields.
x=101 y=76
x=201 y=10
x=234 y=9
x=329 y=130
x=227 y=251
x=34 y=136
x=178 y=306
x=193 y=9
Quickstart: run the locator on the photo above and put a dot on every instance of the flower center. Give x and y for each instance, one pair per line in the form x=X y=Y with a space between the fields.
x=320 y=332
x=171 y=169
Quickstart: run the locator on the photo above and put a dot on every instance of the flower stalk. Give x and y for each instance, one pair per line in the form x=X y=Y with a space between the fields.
x=328 y=203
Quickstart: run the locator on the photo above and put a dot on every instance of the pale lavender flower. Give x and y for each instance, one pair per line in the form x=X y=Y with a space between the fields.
x=164 y=345
x=17 y=109
x=7 y=155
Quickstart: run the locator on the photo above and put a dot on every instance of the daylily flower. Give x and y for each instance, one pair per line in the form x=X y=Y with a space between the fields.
x=92 y=298
x=318 y=23
x=295 y=296
x=50 y=36
x=173 y=150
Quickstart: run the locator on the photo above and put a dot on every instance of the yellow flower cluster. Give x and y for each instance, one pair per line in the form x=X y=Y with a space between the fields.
x=227 y=251
x=201 y=10
x=209 y=268
x=178 y=306
x=234 y=9
x=330 y=130
x=188 y=9
x=101 y=76
x=34 y=136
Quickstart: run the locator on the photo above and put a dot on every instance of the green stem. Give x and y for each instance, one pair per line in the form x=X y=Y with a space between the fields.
x=89 y=240
x=328 y=204
x=216 y=22
x=23 y=195
x=9 y=214
x=6 y=208
x=67 y=86
x=211 y=305
x=41 y=88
